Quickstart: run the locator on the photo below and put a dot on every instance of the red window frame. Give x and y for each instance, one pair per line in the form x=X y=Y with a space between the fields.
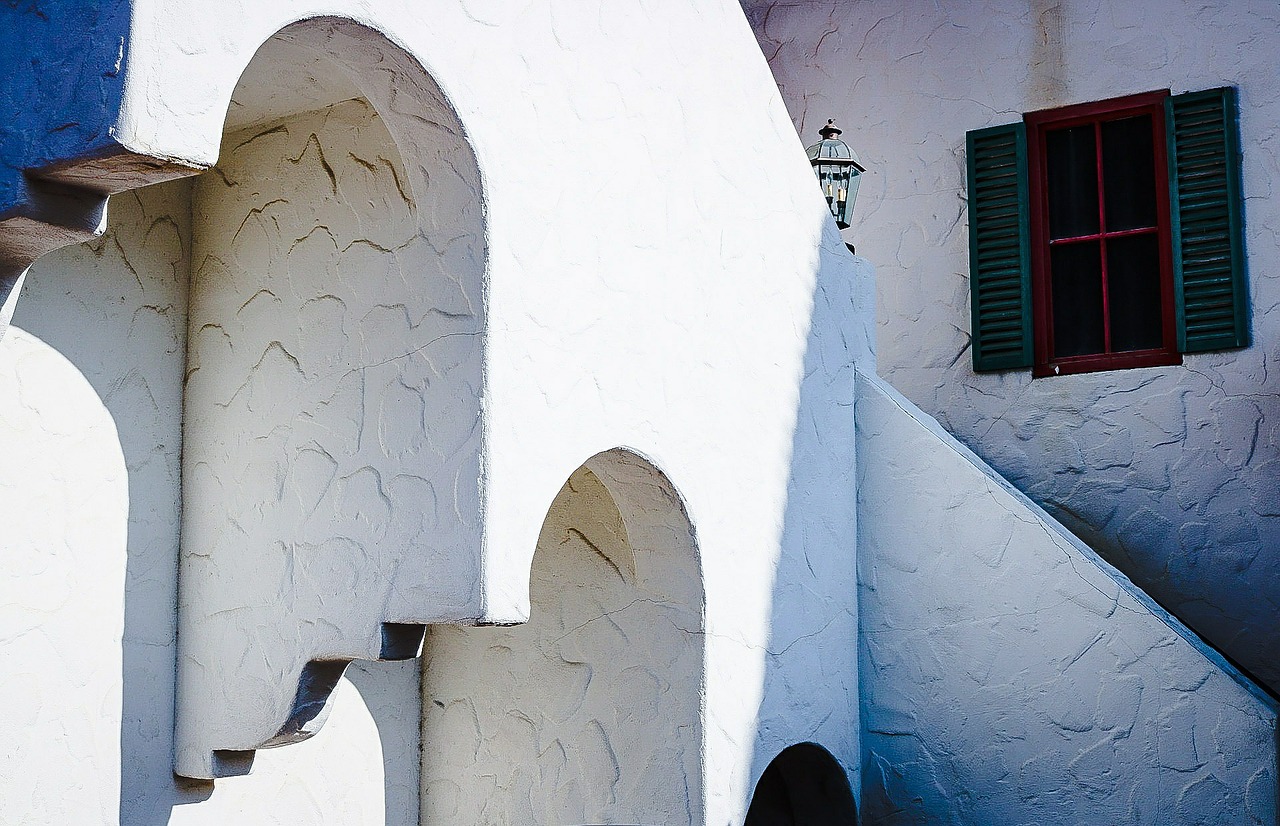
x=1039 y=124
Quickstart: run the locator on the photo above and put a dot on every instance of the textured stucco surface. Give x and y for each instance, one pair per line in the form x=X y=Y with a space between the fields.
x=62 y=615
x=94 y=365
x=591 y=712
x=330 y=420
x=359 y=770
x=1009 y=677
x=1171 y=473
x=116 y=308
x=641 y=288
x=37 y=45
x=66 y=39
x=698 y=310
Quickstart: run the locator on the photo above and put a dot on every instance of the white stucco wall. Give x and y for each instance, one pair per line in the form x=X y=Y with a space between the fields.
x=116 y=309
x=62 y=615
x=630 y=283
x=1172 y=472
x=1009 y=675
x=677 y=301
x=92 y=397
x=360 y=769
x=591 y=712
x=331 y=415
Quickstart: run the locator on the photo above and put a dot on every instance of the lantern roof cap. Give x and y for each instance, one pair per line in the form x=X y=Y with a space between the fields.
x=833 y=150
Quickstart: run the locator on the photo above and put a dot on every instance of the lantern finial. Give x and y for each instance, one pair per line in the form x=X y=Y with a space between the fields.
x=830 y=130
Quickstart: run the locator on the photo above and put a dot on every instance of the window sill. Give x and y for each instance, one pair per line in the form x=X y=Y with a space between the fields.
x=1111 y=361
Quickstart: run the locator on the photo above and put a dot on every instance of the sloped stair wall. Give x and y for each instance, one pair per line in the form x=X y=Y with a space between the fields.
x=1009 y=675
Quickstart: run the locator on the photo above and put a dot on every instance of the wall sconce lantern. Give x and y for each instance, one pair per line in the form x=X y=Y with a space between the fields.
x=838 y=172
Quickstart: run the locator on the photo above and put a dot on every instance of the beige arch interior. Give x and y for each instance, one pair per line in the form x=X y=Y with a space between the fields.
x=592 y=711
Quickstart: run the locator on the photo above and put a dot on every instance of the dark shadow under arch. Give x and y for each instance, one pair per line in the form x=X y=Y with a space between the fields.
x=803 y=786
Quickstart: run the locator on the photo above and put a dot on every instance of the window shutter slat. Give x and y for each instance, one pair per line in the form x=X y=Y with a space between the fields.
x=999 y=248
x=1210 y=296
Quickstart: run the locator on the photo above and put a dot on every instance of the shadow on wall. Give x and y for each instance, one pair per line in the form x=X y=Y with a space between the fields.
x=74 y=40
x=83 y=40
x=810 y=683
x=392 y=692
x=117 y=308
x=129 y=287
x=590 y=712
x=1009 y=675
x=803 y=786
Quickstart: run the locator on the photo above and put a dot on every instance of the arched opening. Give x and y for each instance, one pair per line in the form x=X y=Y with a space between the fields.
x=331 y=442
x=395 y=192
x=803 y=786
x=590 y=712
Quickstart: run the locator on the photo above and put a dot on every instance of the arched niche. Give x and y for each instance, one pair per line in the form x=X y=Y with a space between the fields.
x=803 y=786
x=592 y=711
x=331 y=433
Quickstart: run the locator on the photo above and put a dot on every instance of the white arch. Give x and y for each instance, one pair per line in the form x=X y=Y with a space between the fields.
x=331 y=462
x=591 y=712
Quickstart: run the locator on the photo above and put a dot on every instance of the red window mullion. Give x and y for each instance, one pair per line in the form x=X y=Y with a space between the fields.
x=1102 y=239
x=1120 y=233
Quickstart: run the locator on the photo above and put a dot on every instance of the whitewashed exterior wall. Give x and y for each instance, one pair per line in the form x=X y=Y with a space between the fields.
x=68 y=554
x=693 y=311
x=685 y=307
x=1009 y=675
x=1172 y=473
x=590 y=712
x=330 y=419
x=92 y=393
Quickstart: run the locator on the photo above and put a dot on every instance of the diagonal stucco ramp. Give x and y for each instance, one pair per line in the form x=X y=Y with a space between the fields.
x=1009 y=675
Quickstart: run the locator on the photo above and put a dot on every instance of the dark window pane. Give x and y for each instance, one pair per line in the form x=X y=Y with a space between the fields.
x=1129 y=173
x=1077 y=299
x=1071 y=155
x=1133 y=293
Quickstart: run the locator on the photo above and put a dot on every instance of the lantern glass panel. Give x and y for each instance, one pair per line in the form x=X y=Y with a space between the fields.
x=836 y=167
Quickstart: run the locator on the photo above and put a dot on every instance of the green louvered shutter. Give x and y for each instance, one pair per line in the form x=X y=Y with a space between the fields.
x=1208 y=240
x=999 y=248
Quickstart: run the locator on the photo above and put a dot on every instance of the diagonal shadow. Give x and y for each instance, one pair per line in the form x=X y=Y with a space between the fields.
x=811 y=682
